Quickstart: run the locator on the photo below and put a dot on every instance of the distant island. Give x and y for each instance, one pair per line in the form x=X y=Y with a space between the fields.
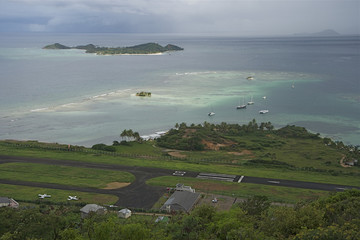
x=147 y=48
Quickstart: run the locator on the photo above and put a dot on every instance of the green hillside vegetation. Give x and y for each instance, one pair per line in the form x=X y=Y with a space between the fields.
x=256 y=145
x=147 y=48
x=333 y=217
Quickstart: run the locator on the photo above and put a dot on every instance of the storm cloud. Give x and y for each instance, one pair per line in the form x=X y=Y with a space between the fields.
x=227 y=17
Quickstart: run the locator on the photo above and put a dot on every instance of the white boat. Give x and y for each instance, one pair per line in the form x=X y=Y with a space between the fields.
x=211 y=114
x=241 y=106
x=250 y=78
x=263 y=111
x=251 y=101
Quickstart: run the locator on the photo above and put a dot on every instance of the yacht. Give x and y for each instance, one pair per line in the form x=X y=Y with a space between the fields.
x=211 y=114
x=241 y=106
x=251 y=101
x=263 y=111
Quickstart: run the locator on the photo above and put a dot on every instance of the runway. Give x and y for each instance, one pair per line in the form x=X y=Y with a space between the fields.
x=140 y=195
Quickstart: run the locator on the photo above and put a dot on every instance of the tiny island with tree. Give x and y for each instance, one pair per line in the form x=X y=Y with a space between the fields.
x=143 y=94
x=146 y=48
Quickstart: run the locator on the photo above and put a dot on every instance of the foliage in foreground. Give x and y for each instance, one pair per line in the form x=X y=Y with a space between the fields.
x=334 y=217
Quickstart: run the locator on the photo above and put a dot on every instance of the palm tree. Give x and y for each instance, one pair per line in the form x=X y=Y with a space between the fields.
x=137 y=137
x=123 y=134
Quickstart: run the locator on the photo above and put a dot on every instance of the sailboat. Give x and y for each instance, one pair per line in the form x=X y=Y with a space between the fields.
x=251 y=101
x=241 y=106
x=293 y=84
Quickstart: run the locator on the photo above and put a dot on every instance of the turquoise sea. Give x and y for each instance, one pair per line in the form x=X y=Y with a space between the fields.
x=70 y=97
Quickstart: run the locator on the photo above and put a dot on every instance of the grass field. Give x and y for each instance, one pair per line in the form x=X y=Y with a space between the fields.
x=241 y=190
x=74 y=176
x=24 y=193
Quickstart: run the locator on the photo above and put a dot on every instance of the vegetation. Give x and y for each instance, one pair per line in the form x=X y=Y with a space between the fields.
x=147 y=48
x=333 y=217
x=143 y=94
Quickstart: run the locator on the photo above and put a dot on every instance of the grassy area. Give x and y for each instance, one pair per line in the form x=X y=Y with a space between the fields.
x=242 y=190
x=24 y=193
x=75 y=176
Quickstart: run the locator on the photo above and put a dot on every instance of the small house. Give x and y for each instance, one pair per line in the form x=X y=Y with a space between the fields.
x=87 y=209
x=181 y=201
x=124 y=213
x=8 y=202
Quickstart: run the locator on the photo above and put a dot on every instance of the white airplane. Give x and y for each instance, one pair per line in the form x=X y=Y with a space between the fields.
x=42 y=196
x=72 y=198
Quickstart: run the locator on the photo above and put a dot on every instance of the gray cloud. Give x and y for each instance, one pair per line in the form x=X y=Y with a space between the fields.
x=236 y=17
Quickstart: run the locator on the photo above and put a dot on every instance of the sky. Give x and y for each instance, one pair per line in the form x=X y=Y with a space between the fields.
x=217 y=17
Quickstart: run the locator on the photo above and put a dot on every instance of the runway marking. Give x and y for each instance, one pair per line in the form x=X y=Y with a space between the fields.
x=241 y=178
x=275 y=182
x=217 y=176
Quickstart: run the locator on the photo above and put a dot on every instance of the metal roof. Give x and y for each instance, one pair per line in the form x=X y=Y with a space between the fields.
x=181 y=200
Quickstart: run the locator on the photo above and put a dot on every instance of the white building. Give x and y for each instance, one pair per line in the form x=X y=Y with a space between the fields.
x=124 y=213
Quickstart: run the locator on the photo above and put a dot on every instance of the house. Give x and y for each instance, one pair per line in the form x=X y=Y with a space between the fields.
x=181 y=201
x=124 y=213
x=8 y=202
x=182 y=187
x=87 y=209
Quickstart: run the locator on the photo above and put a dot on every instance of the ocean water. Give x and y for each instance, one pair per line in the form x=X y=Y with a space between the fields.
x=68 y=96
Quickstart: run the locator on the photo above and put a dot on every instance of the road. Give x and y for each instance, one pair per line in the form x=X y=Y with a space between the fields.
x=140 y=195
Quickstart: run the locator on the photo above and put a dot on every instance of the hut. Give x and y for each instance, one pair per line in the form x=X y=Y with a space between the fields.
x=124 y=213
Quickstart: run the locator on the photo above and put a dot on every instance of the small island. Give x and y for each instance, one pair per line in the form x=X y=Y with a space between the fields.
x=143 y=94
x=147 y=48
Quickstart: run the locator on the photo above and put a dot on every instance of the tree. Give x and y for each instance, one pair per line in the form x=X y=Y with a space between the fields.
x=255 y=205
x=123 y=134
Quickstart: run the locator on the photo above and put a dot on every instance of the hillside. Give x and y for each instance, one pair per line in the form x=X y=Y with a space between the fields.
x=260 y=145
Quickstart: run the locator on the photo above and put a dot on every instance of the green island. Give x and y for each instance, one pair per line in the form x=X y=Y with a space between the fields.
x=252 y=149
x=146 y=48
x=143 y=94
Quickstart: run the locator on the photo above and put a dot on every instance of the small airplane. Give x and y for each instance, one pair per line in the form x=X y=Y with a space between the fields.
x=72 y=198
x=112 y=206
x=42 y=196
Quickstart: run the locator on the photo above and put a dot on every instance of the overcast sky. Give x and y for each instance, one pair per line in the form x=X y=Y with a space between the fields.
x=218 y=17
